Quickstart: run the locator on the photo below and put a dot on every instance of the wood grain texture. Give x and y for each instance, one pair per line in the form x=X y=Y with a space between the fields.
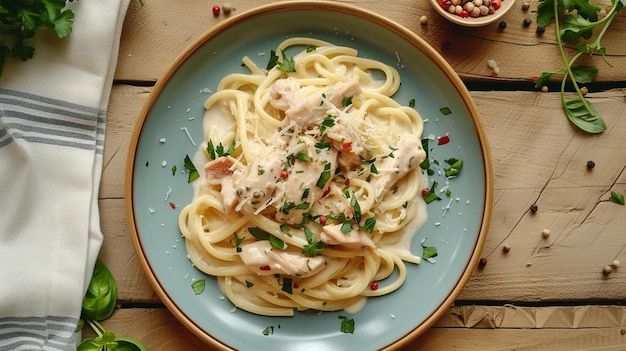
x=153 y=36
x=495 y=328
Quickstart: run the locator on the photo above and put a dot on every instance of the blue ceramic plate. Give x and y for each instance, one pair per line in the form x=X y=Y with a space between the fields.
x=456 y=225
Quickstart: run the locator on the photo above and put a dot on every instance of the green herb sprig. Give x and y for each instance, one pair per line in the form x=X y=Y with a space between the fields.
x=98 y=304
x=570 y=28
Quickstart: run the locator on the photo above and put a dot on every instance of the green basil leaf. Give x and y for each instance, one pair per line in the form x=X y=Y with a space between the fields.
x=91 y=344
x=576 y=111
x=99 y=301
x=126 y=344
x=585 y=74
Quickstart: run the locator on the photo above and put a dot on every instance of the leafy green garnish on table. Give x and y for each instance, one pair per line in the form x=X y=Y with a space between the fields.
x=98 y=304
x=617 y=198
x=19 y=21
x=571 y=28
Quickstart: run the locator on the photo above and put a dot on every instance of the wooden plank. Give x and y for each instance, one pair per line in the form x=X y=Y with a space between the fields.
x=505 y=330
x=154 y=35
x=538 y=158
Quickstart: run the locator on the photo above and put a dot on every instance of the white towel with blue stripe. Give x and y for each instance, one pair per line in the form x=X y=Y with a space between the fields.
x=52 y=124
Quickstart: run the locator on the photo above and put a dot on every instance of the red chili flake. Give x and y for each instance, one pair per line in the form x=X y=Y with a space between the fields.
x=347 y=182
x=347 y=146
x=265 y=268
x=374 y=286
x=443 y=140
x=534 y=78
x=483 y=261
x=216 y=10
x=425 y=192
x=326 y=192
x=322 y=220
x=284 y=174
x=172 y=205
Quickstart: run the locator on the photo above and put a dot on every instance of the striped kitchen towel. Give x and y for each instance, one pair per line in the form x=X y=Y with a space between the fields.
x=52 y=124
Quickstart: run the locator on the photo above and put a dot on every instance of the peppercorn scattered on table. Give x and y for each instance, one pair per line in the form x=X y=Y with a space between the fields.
x=550 y=275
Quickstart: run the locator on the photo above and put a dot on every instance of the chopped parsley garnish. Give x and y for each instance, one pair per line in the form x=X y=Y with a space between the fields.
x=198 y=286
x=287 y=65
x=288 y=206
x=445 y=110
x=261 y=234
x=617 y=198
x=412 y=103
x=238 y=242
x=346 y=101
x=193 y=172
x=357 y=209
x=287 y=285
x=249 y=284
x=305 y=193
x=346 y=227
x=219 y=150
x=310 y=48
x=324 y=176
x=455 y=167
x=311 y=248
x=174 y=170
x=268 y=330
x=432 y=196
x=369 y=225
x=347 y=325
x=429 y=253
x=328 y=122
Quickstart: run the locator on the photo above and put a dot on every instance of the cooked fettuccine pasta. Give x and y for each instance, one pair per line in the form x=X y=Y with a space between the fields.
x=310 y=180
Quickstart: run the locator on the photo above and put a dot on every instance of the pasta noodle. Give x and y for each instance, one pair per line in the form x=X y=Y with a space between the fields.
x=310 y=180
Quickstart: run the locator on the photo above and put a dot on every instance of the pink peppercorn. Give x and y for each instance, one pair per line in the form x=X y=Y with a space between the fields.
x=216 y=10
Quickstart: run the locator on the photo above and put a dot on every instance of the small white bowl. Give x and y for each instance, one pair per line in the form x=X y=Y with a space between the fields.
x=505 y=6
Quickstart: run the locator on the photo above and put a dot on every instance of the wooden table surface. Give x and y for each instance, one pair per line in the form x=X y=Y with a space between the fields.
x=545 y=293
